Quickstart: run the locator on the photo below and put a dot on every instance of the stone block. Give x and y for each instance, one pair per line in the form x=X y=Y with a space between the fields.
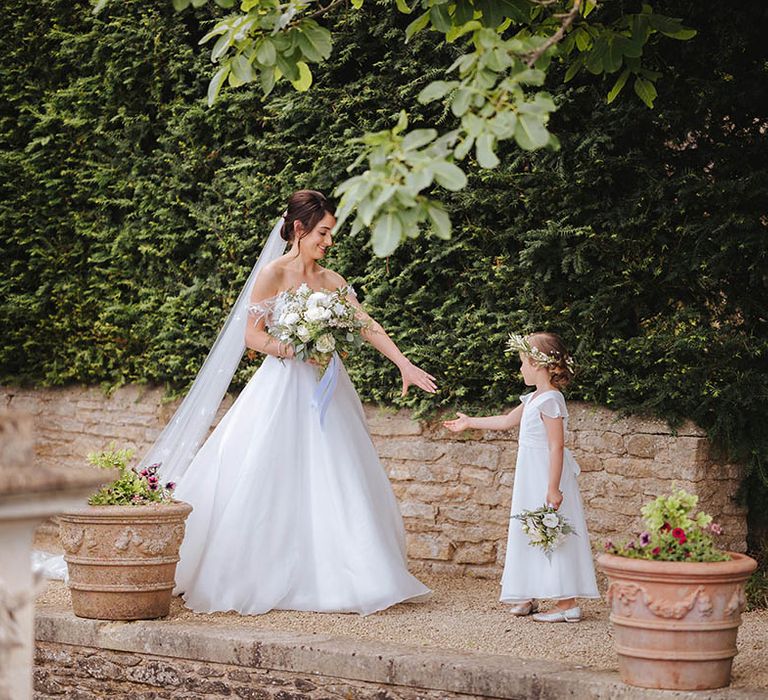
x=429 y=546
x=422 y=511
x=481 y=553
x=155 y=673
x=474 y=454
x=410 y=449
x=100 y=668
x=469 y=513
x=391 y=424
x=476 y=476
x=647 y=446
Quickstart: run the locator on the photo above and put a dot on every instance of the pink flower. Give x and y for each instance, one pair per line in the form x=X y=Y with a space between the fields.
x=645 y=538
x=170 y=485
x=715 y=529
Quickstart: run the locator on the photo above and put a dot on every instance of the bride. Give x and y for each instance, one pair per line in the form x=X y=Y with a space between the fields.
x=289 y=513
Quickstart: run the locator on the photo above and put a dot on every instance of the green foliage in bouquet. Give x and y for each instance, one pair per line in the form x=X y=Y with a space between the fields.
x=132 y=487
x=674 y=532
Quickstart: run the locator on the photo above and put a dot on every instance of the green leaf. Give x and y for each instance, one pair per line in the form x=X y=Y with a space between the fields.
x=418 y=138
x=449 y=175
x=574 y=68
x=618 y=86
x=265 y=52
x=314 y=41
x=461 y=101
x=441 y=222
x=180 y=5
x=645 y=90
x=386 y=235
x=416 y=25
x=436 y=90
x=486 y=158
x=403 y=7
x=530 y=132
x=440 y=18
x=267 y=79
x=305 y=77
x=288 y=67
x=242 y=71
x=214 y=87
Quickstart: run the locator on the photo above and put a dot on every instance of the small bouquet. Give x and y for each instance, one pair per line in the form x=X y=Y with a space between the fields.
x=317 y=324
x=673 y=532
x=545 y=527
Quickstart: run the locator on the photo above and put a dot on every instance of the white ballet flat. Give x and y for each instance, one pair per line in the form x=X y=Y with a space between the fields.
x=525 y=608
x=569 y=615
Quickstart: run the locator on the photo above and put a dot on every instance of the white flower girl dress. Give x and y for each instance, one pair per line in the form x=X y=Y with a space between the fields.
x=569 y=573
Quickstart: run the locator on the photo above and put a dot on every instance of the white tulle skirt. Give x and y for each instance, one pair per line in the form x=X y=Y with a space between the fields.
x=289 y=514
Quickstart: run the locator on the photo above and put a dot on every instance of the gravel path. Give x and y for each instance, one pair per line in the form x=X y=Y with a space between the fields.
x=464 y=614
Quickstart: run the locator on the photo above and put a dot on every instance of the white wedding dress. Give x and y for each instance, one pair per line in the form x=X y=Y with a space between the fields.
x=289 y=514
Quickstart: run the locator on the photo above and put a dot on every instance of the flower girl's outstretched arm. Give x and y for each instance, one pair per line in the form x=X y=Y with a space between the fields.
x=505 y=421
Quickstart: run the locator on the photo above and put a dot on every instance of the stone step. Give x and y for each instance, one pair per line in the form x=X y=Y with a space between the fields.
x=96 y=659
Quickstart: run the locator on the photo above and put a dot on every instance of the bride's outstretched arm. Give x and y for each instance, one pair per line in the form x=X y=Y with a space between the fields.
x=410 y=373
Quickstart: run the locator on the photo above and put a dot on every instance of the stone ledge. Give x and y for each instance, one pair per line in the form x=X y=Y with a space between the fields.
x=473 y=674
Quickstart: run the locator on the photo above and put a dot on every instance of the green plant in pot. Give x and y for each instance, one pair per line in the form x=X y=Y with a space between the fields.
x=676 y=598
x=122 y=549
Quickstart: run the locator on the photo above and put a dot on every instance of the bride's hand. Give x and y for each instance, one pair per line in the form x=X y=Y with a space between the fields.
x=458 y=424
x=411 y=374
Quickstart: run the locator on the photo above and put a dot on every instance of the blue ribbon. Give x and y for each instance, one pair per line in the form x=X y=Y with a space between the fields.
x=321 y=398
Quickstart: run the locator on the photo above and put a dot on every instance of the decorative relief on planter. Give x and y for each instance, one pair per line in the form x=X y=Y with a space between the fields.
x=73 y=538
x=628 y=594
x=736 y=603
x=146 y=545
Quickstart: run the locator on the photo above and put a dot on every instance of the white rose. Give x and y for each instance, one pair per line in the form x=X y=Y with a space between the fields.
x=303 y=288
x=339 y=309
x=289 y=319
x=550 y=520
x=325 y=343
x=317 y=313
x=317 y=299
x=303 y=333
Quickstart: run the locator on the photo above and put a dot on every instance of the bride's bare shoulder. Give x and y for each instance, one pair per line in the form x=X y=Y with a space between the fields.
x=332 y=279
x=269 y=280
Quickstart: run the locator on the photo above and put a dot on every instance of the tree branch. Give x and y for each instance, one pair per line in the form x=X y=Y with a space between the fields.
x=558 y=35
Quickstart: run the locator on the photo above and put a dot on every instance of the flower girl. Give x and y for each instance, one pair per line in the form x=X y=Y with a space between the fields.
x=545 y=475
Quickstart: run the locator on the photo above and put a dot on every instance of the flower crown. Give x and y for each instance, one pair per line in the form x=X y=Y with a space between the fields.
x=519 y=343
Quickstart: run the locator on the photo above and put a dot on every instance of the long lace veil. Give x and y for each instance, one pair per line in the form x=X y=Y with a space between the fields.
x=179 y=441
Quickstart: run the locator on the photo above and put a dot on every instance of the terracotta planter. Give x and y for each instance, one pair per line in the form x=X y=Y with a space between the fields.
x=675 y=623
x=122 y=559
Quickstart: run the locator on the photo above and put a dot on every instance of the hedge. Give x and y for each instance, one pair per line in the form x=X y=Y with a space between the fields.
x=131 y=214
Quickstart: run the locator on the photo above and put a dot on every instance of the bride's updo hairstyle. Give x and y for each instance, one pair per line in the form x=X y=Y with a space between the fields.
x=560 y=373
x=308 y=207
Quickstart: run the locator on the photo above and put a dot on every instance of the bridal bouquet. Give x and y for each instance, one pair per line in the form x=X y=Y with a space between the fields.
x=317 y=324
x=545 y=528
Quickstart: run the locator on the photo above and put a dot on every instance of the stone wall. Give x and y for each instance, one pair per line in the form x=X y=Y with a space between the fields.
x=454 y=490
x=82 y=673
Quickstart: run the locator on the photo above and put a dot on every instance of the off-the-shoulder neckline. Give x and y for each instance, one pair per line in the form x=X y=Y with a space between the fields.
x=314 y=291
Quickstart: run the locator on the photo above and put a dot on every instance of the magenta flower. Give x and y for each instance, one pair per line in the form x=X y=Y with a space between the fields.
x=170 y=485
x=645 y=538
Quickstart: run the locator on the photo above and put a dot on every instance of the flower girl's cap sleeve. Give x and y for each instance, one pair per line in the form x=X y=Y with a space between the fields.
x=553 y=406
x=525 y=398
